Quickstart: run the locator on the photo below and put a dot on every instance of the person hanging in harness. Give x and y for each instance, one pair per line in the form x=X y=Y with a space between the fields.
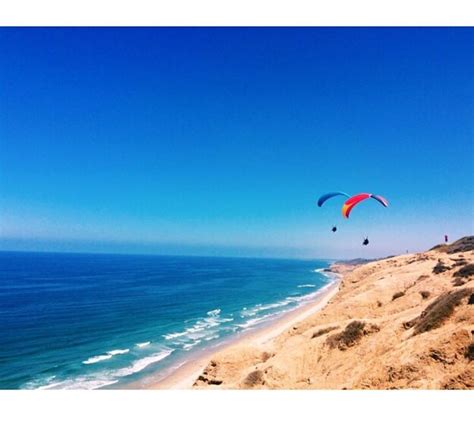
x=366 y=241
x=334 y=228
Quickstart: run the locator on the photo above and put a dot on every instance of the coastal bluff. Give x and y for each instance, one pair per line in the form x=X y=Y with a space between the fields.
x=404 y=322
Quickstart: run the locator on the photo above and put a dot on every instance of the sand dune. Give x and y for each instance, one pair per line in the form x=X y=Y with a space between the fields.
x=402 y=322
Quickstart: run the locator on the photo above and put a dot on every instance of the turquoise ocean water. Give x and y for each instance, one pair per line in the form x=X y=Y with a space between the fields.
x=89 y=321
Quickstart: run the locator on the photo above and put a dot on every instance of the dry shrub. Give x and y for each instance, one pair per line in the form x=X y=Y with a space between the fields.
x=265 y=356
x=351 y=335
x=323 y=331
x=465 y=272
x=254 y=378
x=211 y=381
x=440 y=267
x=470 y=351
x=458 y=282
x=425 y=294
x=462 y=380
x=397 y=295
x=438 y=311
x=471 y=299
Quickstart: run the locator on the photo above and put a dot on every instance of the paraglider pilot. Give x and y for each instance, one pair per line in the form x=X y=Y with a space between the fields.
x=366 y=241
x=334 y=228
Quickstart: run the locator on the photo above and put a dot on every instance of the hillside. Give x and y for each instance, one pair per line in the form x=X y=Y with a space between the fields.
x=401 y=322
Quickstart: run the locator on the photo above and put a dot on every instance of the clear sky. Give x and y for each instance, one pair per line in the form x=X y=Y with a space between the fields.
x=219 y=141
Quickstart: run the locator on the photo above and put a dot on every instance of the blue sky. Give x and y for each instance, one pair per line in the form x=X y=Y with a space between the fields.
x=219 y=141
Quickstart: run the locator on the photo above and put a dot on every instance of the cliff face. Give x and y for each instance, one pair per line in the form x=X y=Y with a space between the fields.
x=402 y=322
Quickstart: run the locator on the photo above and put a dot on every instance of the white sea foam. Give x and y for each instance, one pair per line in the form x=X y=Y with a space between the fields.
x=118 y=352
x=79 y=383
x=51 y=386
x=174 y=335
x=95 y=359
x=141 y=345
x=212 y=337
x=191 y=345
x=257 y=320
x=201 y=328
x=263 y=307
x=141 y=364
x=100 y=379
x=108 y=355
x=291 y=301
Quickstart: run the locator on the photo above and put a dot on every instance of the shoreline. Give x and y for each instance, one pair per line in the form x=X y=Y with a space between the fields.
x=186 y=374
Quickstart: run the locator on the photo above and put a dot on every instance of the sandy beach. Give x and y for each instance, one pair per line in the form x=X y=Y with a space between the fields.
x=400 y=322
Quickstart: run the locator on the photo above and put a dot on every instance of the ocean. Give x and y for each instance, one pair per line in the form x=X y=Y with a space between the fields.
x=90 y=321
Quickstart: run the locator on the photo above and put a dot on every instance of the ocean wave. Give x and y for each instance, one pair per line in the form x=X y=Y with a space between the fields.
x=141 y=345
x=108 y=355
x=326 y=273
x=293 y=301
x=201 y=328
x=91 y=382
x=264 y=307
x=174 y=335
x=257 y=320
x=98 y=380
x=141 y=364
x=212 y=337
x=118 y=352
x=81 y=383
x=95 y=359
x=40 y=383
x=189 y=346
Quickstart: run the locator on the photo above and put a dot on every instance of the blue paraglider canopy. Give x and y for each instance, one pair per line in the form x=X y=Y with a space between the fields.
x=325 y=197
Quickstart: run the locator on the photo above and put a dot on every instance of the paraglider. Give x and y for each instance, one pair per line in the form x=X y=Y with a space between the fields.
x=325 y=197
x=356 y=199
x=350 y=203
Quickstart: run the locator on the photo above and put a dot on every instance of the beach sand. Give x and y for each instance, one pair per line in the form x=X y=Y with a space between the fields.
x=401 y=322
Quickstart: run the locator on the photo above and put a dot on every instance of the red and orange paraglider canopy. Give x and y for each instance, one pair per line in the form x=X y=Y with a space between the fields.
x=356 y=199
